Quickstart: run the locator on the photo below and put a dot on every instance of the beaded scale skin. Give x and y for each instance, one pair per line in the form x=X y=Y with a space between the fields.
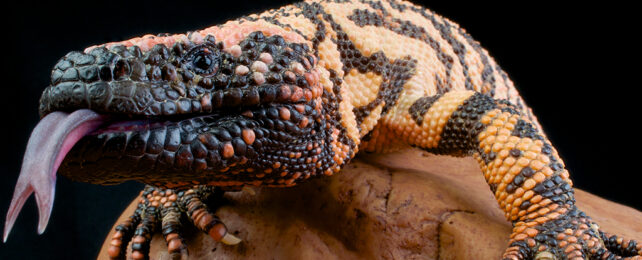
x=294 y=93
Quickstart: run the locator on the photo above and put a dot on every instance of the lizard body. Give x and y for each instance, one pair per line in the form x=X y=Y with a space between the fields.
x=293 y=93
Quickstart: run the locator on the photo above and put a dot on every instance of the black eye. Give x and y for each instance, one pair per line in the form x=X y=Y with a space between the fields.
x=203 y=60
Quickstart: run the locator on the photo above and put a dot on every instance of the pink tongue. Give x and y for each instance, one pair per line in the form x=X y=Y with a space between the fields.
x=52 y=139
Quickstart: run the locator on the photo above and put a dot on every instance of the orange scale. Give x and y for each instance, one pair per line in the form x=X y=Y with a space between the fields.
x=532 y=224
x=536 y=199
x=532 y=208
x=496 y=147
x=492 y=130
x=543 y=158
x=529 y=184
x=501 y=138
x=519 y=192
x=502 y=170
x=502 y=187
x=531 y=232
x=486 y=119
x=520 y=236
x=563 y=243
x=503 y=153
x=503 y=117
x=510 y=126
x=523 y=162
x=539 y=142
x=530 y=154
x=547 y=171
x=514 y=140
x=545 y=202
x=517 y=202
x=537 y=165
x=539 y=177
x=541 y=220
x=569 y=249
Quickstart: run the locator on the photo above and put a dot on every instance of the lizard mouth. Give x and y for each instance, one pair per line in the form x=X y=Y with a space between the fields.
x=49 y=143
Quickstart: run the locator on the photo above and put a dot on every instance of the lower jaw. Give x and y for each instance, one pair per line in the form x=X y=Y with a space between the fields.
x=140 y=149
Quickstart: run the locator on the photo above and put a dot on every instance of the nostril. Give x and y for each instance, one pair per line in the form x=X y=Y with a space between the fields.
x=121 y=69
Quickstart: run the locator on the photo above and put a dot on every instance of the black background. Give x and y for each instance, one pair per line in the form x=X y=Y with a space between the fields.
x=572 y=64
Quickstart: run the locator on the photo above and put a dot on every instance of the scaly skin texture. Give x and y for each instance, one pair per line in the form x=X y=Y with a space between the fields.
x=286 y=95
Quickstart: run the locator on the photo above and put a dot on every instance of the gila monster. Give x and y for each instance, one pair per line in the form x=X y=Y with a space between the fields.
x=276 y=98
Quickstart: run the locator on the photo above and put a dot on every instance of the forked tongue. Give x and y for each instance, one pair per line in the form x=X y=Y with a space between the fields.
x=48 y=144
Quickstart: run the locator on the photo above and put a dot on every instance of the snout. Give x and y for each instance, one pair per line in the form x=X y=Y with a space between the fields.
x=100 y=80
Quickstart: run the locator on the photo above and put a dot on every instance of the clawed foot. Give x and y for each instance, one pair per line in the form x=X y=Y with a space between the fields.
x=567 y=233
x=166 y=207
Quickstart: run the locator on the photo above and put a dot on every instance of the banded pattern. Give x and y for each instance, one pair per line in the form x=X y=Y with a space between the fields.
x=522 y=169
x=394 y=73
x=276 y=98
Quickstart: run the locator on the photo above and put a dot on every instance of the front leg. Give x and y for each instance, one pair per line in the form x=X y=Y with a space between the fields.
x=163 y=209
x=270 y=146
x=521 y=167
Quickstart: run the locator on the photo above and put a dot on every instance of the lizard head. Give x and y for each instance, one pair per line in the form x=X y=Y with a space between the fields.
x=168 y=110
x=185 y=74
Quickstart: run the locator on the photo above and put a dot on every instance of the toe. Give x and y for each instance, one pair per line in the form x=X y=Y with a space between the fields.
x=143 y=234
x=123 y=234
x=517 y=250
x=204 y=219
x=171 y=227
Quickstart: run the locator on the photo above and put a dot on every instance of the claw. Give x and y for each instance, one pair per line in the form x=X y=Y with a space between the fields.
x=48 y=144
x=230 y=239
x=206 y=221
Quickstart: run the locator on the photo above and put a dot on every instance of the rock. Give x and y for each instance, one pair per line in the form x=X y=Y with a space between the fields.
x=404 y=205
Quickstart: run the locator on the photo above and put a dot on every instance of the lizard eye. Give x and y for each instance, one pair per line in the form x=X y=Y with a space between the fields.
x=203 y=60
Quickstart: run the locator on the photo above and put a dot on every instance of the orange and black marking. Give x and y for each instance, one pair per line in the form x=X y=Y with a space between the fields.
x=525 y=173
x=276 y=98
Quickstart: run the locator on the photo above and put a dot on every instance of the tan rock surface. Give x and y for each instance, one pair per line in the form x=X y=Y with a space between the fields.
x=405 y=205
